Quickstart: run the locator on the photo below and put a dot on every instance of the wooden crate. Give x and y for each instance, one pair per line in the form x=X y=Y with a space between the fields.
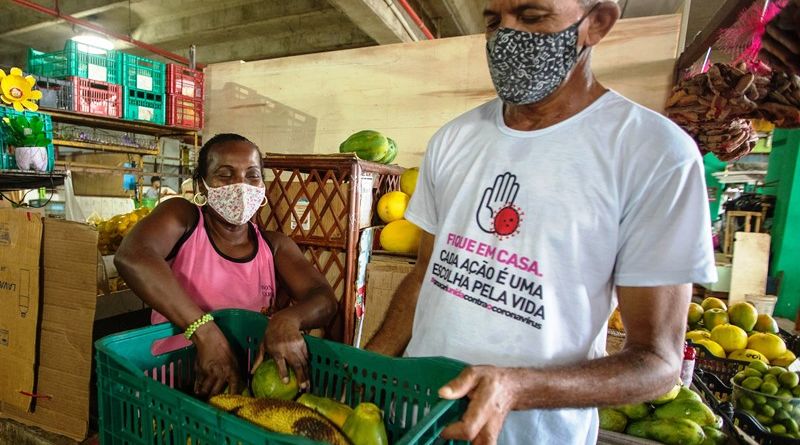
x=340 y=191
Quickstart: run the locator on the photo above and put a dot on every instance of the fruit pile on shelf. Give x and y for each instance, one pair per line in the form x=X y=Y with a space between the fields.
x=399 y=235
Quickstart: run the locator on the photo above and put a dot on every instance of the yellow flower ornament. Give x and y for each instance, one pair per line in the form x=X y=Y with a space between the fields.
x=18 y=91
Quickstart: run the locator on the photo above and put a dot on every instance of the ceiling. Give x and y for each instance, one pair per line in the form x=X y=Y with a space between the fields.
x=226 y=30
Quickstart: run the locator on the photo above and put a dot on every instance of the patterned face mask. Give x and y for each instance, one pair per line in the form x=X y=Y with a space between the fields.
x=235 y=203
x=527 y=67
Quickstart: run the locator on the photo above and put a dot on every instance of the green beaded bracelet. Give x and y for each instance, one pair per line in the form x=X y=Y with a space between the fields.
x=196 y=325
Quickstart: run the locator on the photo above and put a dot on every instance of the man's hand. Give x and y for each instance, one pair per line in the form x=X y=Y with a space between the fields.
x=492 y=396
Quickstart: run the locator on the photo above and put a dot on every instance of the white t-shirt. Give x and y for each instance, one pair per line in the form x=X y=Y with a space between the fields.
x=534 y=229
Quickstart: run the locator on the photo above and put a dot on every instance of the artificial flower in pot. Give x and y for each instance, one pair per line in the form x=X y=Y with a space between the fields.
x=30 y=141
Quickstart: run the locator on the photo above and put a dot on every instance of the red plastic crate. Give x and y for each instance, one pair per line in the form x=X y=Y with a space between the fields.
x=184 y=112
x=182 y=81
x=95 y=97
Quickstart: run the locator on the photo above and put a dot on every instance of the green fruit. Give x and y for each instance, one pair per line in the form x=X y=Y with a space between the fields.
x=612 y=420
x=751 y=372
x=777 y=429
x=635 y=411
x=638 y=428
x=365 y=426
x=789 y=379
x=391 y=153
x=693 y=410
x=784 y=394
x=759 y=366
x=687 y=394
x=781 y=415
x=796 y=391
x=775 y=403
x=791 y=425
x=745 y=402
x=267 y=382
x=668 y=397
x=367 y=144
x=246 y=392
x=764 y=420
x=739 y=377
x=776 y=370
x=769 y=388
x=671 y=431
x=714 y=436
x=771 y=378
x=759 y=399
x=766 y=410
x=752 y=383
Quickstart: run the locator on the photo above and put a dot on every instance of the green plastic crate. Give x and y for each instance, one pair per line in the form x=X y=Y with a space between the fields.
x=141 y=73
x=48 y=128
x=142 y=398
x=144 y=106
x=75 y=60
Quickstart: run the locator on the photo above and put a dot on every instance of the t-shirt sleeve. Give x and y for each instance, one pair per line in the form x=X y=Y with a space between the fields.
x=422 y=208
x=665 y=235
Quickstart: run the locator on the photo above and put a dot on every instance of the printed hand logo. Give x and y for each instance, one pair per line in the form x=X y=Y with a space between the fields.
x=497 y=213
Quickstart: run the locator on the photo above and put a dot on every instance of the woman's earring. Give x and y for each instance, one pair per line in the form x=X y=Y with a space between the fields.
x=265 y=201
x=200 y=200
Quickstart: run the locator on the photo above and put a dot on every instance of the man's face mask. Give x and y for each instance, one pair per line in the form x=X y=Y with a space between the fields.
x=527 y=67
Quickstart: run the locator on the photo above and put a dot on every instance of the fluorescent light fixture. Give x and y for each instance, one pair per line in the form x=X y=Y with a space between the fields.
x=93 y=43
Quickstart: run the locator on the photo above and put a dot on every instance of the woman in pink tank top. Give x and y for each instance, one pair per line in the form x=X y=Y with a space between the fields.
x=189 y=258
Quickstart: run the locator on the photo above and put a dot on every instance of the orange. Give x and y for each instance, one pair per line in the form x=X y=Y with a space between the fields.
x=712 y=303
x=392 y=206
x=765 y=323
x=714 y=317
x=695 y=313
x=730 y=337
x=743 y=315
x=770 y=345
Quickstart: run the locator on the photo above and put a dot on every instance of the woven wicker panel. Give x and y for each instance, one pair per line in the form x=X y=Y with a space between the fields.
x=331 y=263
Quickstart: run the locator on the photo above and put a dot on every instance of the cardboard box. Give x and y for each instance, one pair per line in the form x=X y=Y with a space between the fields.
x=384 y=275
x=20 y=252
x=69 y=296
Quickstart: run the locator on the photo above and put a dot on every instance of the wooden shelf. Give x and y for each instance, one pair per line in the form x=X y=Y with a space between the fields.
x=21 y=179
x=105 y=147
x=111 y=123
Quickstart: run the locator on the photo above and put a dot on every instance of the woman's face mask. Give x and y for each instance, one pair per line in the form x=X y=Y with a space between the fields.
x=235 y=203
x=527 y=67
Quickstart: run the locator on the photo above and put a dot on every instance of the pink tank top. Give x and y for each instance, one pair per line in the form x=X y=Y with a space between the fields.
x=216 y=281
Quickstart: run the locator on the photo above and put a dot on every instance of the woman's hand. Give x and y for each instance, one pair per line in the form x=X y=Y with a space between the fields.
x=216 y=367
x=284 y=342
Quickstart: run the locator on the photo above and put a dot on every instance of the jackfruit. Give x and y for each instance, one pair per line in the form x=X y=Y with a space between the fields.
x=283 y=416
x=230 y=402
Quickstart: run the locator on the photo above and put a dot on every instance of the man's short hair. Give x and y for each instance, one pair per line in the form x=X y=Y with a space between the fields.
x=154 y=179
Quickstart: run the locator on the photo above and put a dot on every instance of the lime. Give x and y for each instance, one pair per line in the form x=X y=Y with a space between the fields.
x=741 y=375
x=730 y=337
x=789 y=379
x=775 y=403
x=745 y=402
x=695 y=313
x=776 y=370
x=769 y=388
x=791 y=425
x=771 y=378
x=766 y=410
x=759 y=366
x=764 y=420
x=751 y=372
x=713 y=303
x=781 y=415
x=759 y=399
x=796 y=391
x=777 y=429
x=752 y=383
x=743 y=315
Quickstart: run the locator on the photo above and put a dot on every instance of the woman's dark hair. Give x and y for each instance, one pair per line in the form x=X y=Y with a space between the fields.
x=202 y=157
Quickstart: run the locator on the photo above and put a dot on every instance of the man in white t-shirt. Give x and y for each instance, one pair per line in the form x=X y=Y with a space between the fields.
x=542 y=210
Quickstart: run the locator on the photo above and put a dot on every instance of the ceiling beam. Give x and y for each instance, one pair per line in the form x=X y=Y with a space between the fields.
x=376 y=19
x=467 y=15
x=81 y=13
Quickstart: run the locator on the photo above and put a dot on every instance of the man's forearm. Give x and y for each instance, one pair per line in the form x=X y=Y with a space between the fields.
x=634 y=375
x=395 y=331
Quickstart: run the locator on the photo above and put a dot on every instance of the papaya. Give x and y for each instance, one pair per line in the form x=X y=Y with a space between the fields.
x=668 y=397
x=612 y=420
x=693 y=410
x=368 y=145
x=335 y=412
x=391 y=153
x=634 y=412
x=365 y=426
x=668 y=431
x=687 y=394
x=714 y=436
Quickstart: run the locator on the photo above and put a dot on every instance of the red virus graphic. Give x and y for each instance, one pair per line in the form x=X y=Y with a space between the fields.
x=506 y=221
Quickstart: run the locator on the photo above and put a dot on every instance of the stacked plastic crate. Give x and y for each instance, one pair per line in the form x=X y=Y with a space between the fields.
x=184 y=97
x=143 y=81
x=79 y=78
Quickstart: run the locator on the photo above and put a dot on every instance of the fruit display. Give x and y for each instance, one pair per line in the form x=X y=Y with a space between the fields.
x=399 y=235
x=370 y=145
x=679 y=417
x=113 y=230
x=273 y=406
x=771 y=395
x=738 y=332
